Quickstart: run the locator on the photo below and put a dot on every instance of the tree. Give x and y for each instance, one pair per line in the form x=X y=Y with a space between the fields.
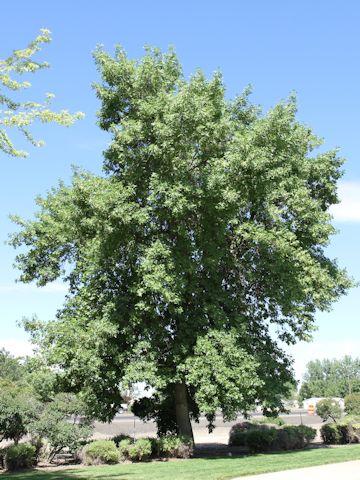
x=206 y=237
x=10 y=367
x=21 y=115
x=331 y=378
x=63 y=423
x=18 y=408
x=328 y=408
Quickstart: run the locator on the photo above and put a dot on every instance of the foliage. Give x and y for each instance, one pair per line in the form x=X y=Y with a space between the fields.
x=207 y=235
x=352 y=404
x=10 y=367
x=282 y=437
x=60 y=425
x=124 y=446
x=201 y=468
x=101 y=451
x=175 y=446
x=260 y=440
x=119 y=438
x=21 y=115
x=340 y=433
x=140 y=450
x=331 y=378
x=237 y=436
x=18 y=407
x=22 y=455
x=272 y=420
x=292 y=437
x=333 y=433
x=329 y=408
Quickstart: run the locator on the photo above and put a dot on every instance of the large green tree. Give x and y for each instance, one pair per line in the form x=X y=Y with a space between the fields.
x=20 y=115
x=331 y=378
x=201 y=247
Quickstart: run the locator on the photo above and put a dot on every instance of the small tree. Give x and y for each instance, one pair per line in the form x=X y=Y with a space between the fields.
x=329 y=408
x=63 y=423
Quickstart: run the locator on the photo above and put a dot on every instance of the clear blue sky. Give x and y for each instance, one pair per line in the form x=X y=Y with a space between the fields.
x=311 y=47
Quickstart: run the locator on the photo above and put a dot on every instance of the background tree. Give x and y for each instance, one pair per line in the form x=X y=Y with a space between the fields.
x=206 y=236
x=331 y=378
x=20 y=115
x=328 y=408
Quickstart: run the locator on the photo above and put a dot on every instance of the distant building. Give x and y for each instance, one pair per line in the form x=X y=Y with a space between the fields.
x=314 y=400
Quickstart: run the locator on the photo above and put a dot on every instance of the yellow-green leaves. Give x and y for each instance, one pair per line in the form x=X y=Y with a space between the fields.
x=21 y=115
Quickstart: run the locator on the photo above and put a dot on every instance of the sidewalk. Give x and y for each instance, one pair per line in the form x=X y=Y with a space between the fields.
x=333 y=471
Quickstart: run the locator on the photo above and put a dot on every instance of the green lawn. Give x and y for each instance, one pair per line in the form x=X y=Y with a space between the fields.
x=200 y=469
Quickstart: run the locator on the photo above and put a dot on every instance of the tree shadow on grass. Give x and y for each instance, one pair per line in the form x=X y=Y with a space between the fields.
x=68 y=474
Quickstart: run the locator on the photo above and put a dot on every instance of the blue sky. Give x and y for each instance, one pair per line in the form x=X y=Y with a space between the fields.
x=311 y=48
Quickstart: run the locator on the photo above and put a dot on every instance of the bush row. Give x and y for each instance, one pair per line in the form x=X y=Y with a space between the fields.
x=340 y=433
x=122 y=448
x=262 y=437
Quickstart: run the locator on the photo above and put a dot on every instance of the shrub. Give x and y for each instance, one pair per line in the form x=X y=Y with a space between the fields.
x=124 y=446
x=140 y=450
x=22 y=455
x=352 y=404
x=119 y=438
x=238 y=433
x=101 y=451
x=292 y=437
x=270 y=420
x=328 y=408
x=308 y=433
x=288 y=437
x=260 y=440
x=334 y=433
x=175 y=446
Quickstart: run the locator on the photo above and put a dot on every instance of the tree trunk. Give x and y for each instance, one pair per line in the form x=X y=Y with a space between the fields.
x=182 y=410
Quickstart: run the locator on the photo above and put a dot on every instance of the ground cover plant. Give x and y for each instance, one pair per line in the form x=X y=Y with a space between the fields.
x=201 y=469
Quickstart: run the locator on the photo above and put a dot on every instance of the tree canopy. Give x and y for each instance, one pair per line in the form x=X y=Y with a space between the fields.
x=331 y=378
x=201 y=247
x=21 y=115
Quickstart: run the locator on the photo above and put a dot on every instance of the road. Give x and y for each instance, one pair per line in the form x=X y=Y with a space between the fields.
x=128 y=424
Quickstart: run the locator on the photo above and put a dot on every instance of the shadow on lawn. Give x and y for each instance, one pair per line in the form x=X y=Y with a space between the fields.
x=67 y=474
x=236 y=454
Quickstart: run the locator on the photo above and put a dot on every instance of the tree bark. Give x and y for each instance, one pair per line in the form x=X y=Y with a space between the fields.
x=182 y=410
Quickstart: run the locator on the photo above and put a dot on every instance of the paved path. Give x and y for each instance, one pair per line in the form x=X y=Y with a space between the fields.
x=333 y=471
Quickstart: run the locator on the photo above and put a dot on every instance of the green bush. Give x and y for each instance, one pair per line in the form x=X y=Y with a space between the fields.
x=238 y=433
x=175 y=446
x=269 y=420
x=308 y=433
x=140 y=450
x=22 y=455
x=293 y=437
x=101 y=451
x=334 y=433
x=288 y=437
x=352 y=404
x=119 y=438
x=124 y=446
x=260 y=440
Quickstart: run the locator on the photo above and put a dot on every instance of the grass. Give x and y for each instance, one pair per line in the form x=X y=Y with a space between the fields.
x=201 y=469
